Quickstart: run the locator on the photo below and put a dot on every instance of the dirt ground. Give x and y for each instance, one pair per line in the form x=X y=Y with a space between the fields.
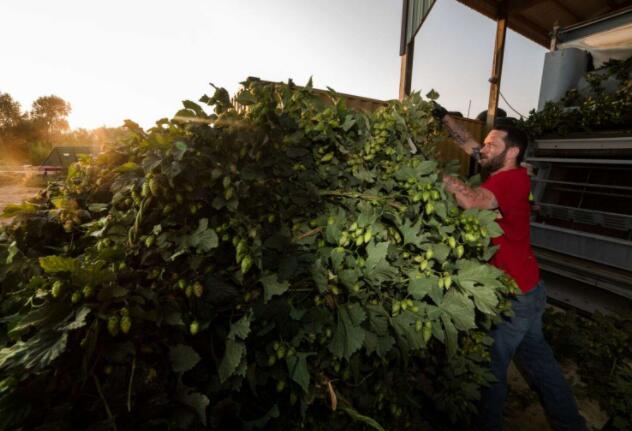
x=523 y=411
x=14 y=193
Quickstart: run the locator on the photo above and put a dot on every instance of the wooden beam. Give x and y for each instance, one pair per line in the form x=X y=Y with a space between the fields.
x=566 y=10
x=530 y=30
x=406 y=71
x=516 y=6
x=497 y=65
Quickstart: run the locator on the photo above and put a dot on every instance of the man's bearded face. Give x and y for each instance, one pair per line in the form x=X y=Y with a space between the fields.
x=491 y=164
x=493 y=153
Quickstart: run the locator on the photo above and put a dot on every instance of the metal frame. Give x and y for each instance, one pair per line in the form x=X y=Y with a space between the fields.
x=618 y=143
x=596 y=248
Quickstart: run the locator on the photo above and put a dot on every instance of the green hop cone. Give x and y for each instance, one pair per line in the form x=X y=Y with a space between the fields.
x=198 y=289
x=246 y=264
x=76 y=297
x=126 y=324
x=113 y=325
x=427 y=331
x=194 y=327
x=56 y=289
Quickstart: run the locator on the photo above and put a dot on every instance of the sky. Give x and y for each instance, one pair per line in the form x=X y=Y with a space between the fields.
x=139 y=59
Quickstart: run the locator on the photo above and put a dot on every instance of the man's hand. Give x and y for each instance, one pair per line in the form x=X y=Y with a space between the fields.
x=438 y=111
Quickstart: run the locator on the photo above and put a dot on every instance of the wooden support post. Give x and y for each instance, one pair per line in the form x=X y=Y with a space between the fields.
x=406 y=72
x=497 y=66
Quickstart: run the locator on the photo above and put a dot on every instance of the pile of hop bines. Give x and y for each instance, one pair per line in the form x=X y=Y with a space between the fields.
x=283 y=261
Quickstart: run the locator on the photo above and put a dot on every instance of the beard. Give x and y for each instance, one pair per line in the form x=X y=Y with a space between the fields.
x=492 y=165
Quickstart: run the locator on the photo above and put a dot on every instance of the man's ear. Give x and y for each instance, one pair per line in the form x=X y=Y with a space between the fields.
x=512 y=153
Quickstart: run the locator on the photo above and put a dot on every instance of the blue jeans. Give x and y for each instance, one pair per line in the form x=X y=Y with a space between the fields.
x=521 y=338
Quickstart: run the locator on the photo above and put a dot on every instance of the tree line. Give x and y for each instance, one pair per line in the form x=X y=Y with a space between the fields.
x=27 y=137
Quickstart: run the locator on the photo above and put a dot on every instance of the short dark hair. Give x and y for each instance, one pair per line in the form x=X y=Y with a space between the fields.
x=515 y=138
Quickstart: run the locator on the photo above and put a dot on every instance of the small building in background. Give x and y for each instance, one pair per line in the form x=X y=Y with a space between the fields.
x=60 y=158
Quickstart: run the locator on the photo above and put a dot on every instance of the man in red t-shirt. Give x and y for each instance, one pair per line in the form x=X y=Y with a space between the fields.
x=506 y=188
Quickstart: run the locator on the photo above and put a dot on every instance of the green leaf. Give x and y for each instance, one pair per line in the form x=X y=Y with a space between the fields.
x=363 y=174
x=432 y=95
x=379 y=344
x=480 y=281
x=413 y=233
x=451 y=335
x=319 y=275
x=378 y=338
x=485 y=299
x=473 y=273
x=198 y=402
x=441 y=252
x=349 y=122
x=348 y=277
x=376 y=252
x=272 y=286
x=404 y=325
x=297 y=369
x=489 y=253
x=459 y=308
x=52 y=264
x=36 y=353
x=204 y=239
x=79 y=321
x=494 y=230
x=231 y=360
x=441 y=210
x=241 y=328
x=183 y=358
x=349 y=335
x=420 y=285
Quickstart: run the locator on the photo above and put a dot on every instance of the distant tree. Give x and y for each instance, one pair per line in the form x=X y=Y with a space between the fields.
x=49 y=115
x=10 y=112
x=12 y=140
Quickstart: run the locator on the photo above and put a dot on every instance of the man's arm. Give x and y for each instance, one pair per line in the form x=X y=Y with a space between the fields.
x=468 y=197
x=461 y=136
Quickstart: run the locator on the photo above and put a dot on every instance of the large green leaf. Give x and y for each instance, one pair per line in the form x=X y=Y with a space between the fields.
x=183 y=358
x=272 y=286
x=348 y=336
x=451 y=335
x=413 y=233
x=231 y=360
x=420 y=285
x=376 y=253
x=38 y=352
x=203 y=239
x=460 y=309
x=241 y=328
x=197 y=401
x=298 y=371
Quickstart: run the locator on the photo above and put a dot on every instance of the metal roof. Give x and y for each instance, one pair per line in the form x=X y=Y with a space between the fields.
x=535 y=19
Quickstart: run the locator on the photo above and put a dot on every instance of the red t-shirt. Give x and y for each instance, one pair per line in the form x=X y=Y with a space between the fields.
x=514 y=256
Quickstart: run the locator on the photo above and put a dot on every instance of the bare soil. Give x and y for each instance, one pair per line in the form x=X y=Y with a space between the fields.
x=15 y=193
